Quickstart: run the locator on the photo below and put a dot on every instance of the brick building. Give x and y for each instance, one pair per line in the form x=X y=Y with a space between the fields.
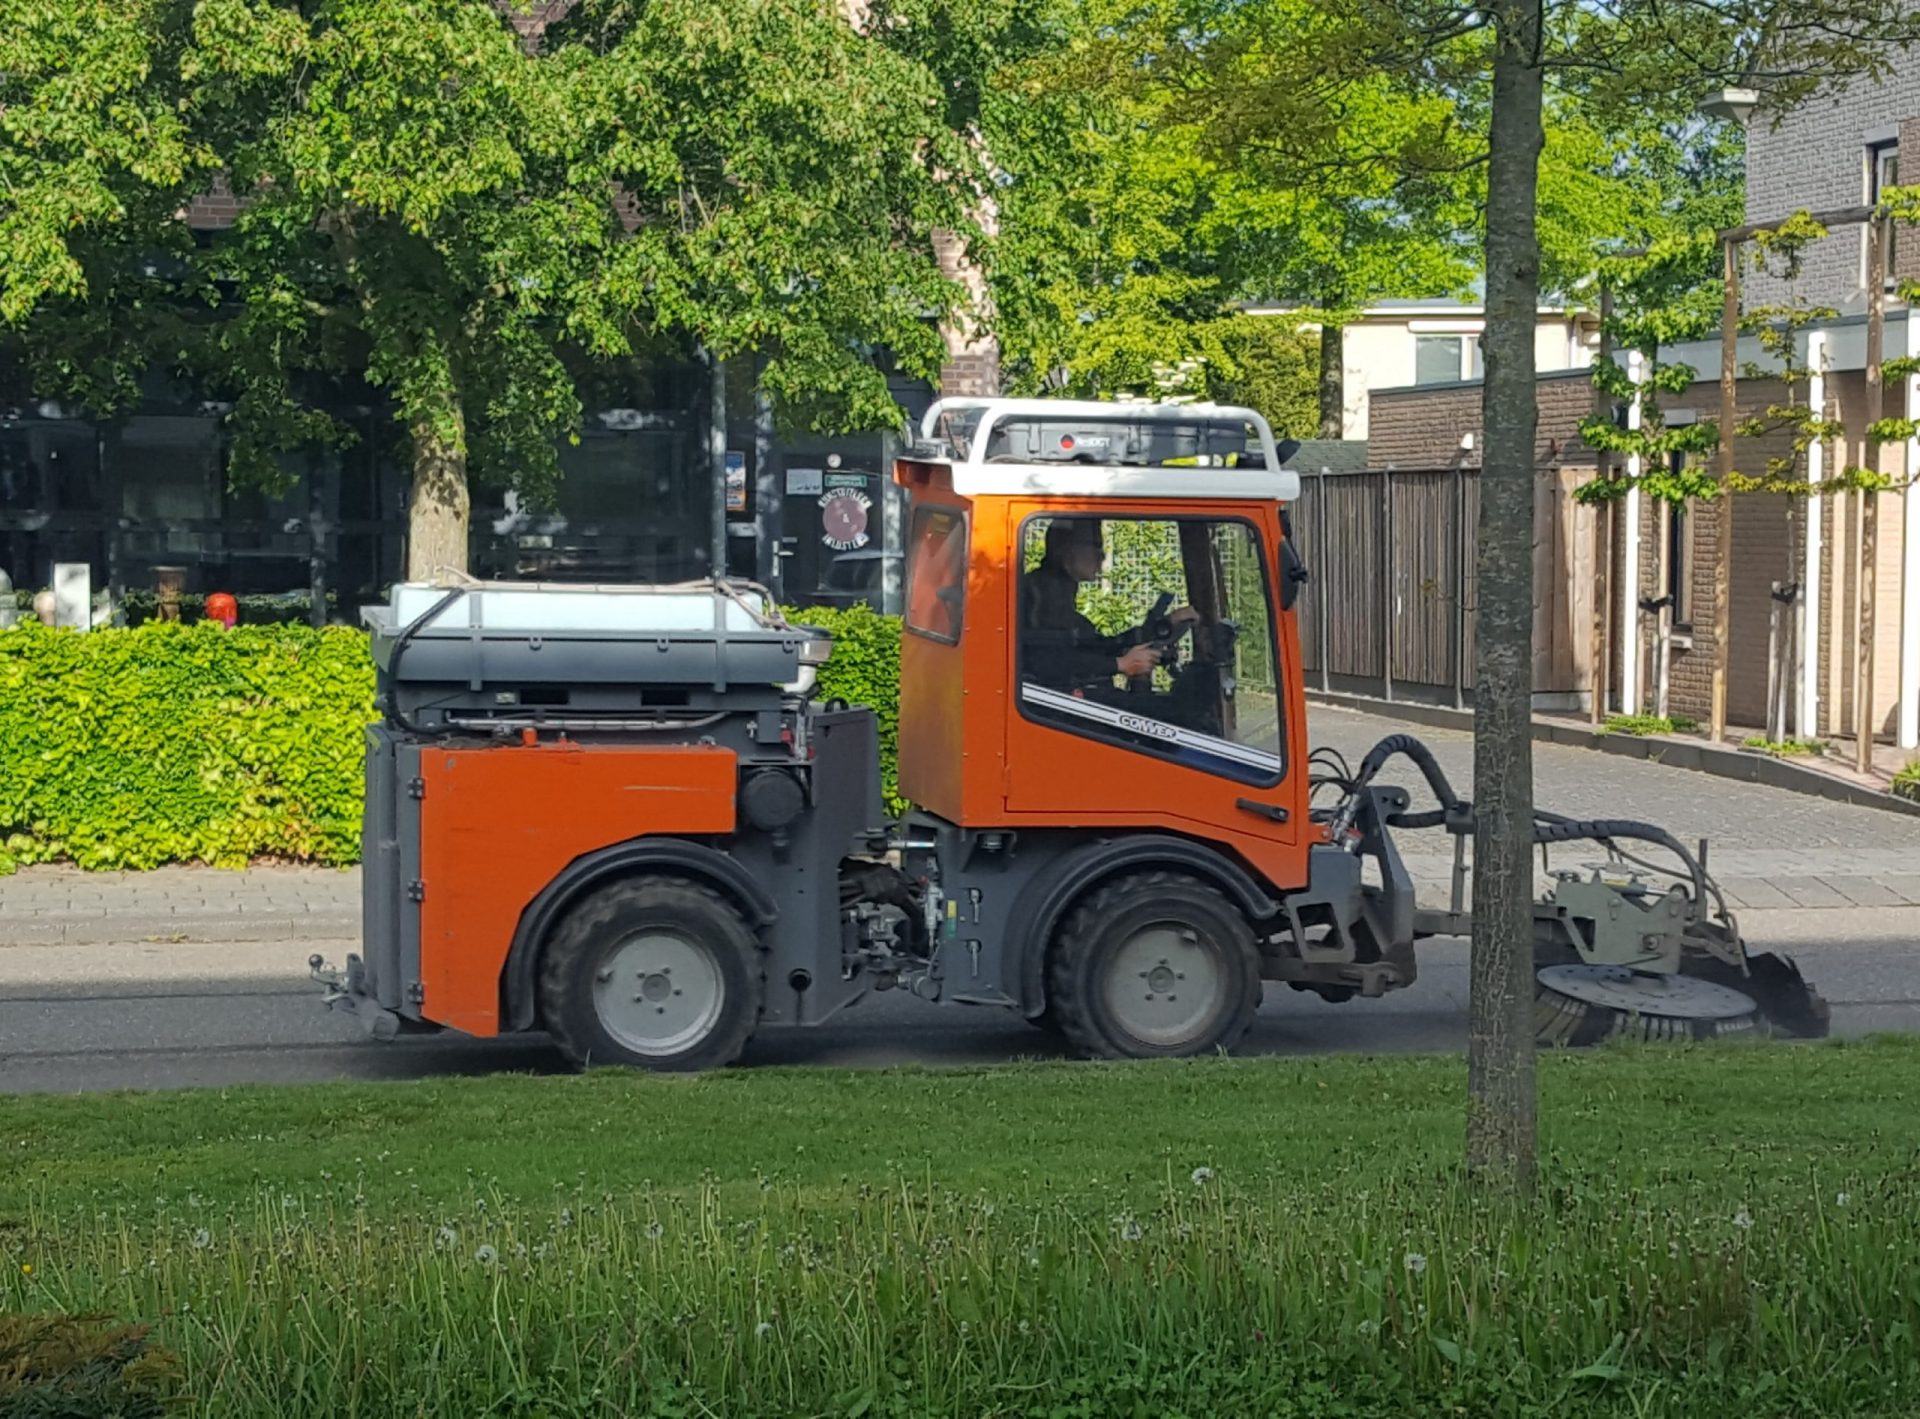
x=1803 y=552
x=635 y=499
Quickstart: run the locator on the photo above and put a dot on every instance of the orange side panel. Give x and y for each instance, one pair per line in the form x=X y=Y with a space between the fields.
x=498 y=824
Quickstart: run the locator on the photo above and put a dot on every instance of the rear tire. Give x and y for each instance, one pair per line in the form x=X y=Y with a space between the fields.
x=608 y=987
x=1151 y=966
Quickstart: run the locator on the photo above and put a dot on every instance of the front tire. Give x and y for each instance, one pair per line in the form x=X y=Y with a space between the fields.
x=658 y=973
x=1154 y=965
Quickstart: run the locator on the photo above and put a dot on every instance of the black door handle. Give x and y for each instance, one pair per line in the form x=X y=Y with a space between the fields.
x=1265 y=810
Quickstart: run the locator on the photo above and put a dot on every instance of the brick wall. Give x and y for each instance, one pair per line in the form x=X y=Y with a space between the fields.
x=1422 y=428
x=1815 y=159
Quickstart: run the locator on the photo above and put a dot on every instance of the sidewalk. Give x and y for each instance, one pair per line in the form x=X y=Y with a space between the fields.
x=50 y=906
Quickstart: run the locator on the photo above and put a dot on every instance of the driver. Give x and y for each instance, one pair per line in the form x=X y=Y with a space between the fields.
x=1064 y=650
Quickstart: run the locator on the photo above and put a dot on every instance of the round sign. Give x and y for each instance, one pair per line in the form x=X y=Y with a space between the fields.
x=843 y=519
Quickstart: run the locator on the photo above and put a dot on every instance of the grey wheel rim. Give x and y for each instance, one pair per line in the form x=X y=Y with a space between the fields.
x=1165 y=985
x=657 y=993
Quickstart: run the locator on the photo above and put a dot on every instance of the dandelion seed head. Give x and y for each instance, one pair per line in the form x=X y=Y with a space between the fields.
x=202 y=1239
x=1416 y=1263
x=764 y=1329
x=1743 y=1219
x=1202 y=1176
x=485 y=1254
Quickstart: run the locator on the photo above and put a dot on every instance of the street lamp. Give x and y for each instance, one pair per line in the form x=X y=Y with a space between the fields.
x=1736 y=104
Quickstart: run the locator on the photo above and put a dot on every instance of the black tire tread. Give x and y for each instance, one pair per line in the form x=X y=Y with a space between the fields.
x=1073 y=1013
x=565 y=1016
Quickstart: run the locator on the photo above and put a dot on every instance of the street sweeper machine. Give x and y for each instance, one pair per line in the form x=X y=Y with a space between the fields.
x=625 y=816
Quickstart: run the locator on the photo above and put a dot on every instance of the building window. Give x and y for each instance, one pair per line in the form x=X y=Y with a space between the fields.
x=1883 y=172
x=1445 y=359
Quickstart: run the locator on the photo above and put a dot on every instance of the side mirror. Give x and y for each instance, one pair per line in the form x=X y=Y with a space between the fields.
x=1286 y=449
x=1293 y=575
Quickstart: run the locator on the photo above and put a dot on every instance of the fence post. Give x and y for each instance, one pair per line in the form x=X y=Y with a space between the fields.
x=1325 y=598
x=1461 y=551
x=1386 y=583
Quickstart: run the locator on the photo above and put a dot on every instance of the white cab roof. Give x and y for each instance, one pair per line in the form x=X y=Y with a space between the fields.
x=1074 y=454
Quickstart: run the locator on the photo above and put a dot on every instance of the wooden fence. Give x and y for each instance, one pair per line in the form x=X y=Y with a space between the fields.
x=1389 y=606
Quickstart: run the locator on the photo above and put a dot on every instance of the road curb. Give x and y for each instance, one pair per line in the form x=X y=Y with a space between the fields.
x=1722 y=761
x=116 y=929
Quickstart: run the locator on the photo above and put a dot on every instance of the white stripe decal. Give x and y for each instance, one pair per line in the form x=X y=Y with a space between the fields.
x=1152 y=728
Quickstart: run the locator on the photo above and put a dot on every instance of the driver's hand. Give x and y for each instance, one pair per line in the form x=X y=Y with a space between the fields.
x=1183 y=616
x=1140 y=660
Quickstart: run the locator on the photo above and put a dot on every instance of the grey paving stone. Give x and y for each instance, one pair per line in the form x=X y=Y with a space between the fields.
x=1811 y=892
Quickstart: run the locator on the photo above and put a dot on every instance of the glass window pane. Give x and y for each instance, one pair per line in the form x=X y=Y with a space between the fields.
x=1436 y=359
x=937 y=573
x=1155 y=635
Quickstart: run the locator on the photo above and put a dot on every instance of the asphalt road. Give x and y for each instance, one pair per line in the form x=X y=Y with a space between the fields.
x=162 y=1013
x=231 y=1013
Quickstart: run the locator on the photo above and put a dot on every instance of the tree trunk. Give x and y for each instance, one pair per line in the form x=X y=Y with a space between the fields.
x=1500 y=1118
x=1333 y=382
x=437 y=512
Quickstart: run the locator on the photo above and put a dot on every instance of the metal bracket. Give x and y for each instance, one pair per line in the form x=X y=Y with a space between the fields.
x=416 y=890
x=416 y=788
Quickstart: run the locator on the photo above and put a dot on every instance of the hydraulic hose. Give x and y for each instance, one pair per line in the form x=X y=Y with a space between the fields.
x=1376 y=759
x=1547 y=828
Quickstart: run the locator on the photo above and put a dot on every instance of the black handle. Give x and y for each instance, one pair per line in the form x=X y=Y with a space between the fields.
x=1265 y=810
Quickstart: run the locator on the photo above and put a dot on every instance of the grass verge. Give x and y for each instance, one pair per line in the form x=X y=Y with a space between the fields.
x=1720 y=1231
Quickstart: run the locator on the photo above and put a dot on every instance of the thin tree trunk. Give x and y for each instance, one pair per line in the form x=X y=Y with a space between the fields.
x=1333 y=381
x=1500 y=1116
x=1864 y=710
x=438 y=511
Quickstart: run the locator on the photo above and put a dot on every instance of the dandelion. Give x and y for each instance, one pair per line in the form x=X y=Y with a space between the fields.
x=485 y=1254
x=26 y=1268
x=1202 y=1176
x=1416 y=1263
x=1743 y=1219
x=202 y=1239
x=763 y=1330
x=1842 y=1199
x=445 y=1239
x=1130 y=1230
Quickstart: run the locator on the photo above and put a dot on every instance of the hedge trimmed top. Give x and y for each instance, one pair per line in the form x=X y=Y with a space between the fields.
x=171 y=743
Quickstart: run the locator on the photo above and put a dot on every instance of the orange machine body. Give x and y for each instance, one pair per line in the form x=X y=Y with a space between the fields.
x=968 y=753
x=499 y=823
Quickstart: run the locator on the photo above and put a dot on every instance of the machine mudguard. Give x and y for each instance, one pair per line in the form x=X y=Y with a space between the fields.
x=1048 y=898
x=690 y=859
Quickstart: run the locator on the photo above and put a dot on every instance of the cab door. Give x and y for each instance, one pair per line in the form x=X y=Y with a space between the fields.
x=1200 y=745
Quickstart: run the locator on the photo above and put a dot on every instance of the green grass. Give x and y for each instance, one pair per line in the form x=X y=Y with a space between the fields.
x=1720 y=1231
x=1906 y=780
x=1785 y=748
x=1649 y=724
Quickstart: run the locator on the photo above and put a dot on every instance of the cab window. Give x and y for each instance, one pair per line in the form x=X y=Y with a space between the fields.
x=937 y=573
x=1156 y=635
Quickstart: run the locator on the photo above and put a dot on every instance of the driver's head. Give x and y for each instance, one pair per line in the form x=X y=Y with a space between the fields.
x=1073 y=545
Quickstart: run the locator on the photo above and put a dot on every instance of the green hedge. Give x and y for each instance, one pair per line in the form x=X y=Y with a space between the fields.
x=186 y=743
x=864 y=670
x=177 y=743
